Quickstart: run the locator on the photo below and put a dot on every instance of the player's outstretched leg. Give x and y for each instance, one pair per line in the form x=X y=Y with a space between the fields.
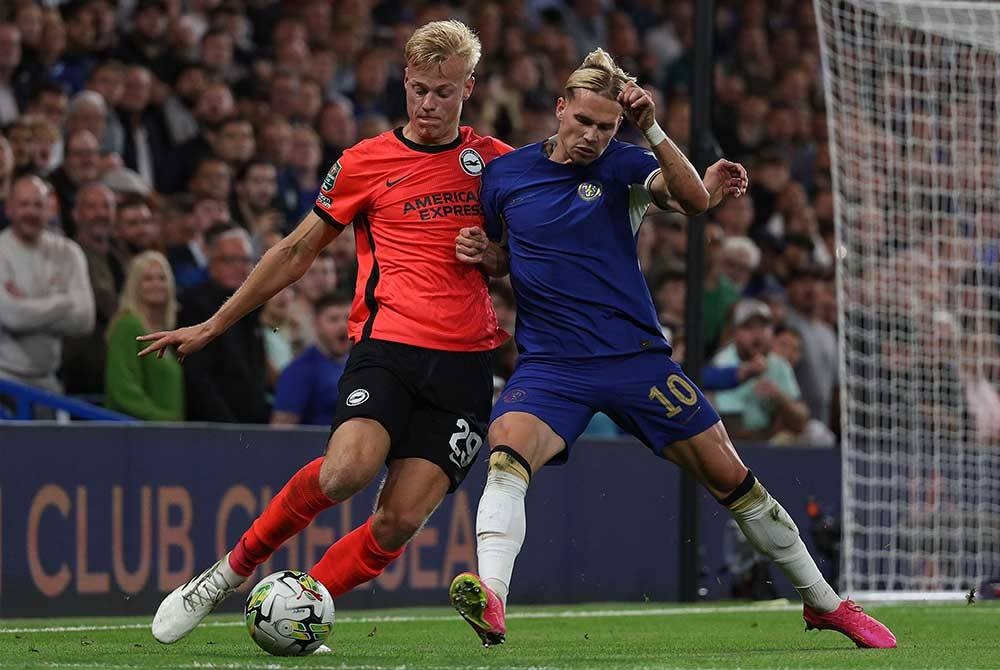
x=480 y=606
x=291 y=510
x=354 y=456
x=500 y=521
x=711 y=458
x=413 y=489
x=772 y=531
x=500 y=529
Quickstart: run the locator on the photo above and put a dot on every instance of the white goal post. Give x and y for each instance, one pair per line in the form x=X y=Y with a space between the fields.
x=913 y=107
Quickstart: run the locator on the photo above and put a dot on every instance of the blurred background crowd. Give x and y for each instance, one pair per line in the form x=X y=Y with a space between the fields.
x=174 y=141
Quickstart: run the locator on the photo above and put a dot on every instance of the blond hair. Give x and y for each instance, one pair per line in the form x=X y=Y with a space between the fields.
x=598 y=73
x=131 y=300
x=434 y=43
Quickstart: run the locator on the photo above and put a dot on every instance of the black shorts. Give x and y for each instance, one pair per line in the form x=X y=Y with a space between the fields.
x=434 y=404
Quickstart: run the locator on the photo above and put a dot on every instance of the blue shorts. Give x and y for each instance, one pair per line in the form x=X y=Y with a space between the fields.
x=646 y=394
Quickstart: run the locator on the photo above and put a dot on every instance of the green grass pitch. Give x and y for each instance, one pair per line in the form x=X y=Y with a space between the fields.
x=587 y=636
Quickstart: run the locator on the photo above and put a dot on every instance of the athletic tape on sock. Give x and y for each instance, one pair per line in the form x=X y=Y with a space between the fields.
x=740 y=490
x=505 y=459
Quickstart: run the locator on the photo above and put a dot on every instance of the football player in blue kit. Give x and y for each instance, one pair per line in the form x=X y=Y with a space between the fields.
x=562 y=217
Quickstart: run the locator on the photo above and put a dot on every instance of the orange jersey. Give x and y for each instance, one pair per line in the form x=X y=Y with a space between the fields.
x=407 y=202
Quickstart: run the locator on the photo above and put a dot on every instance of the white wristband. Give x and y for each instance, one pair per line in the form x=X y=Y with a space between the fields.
x=654 y=134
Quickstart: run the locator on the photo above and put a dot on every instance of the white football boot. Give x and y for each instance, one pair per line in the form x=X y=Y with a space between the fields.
x=185 y=607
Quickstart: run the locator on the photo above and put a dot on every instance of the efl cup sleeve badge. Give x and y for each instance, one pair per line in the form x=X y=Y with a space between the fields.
x=331 y=177
x=515 y=395
x=357 y=397
x=589 y=191
x=472 y=163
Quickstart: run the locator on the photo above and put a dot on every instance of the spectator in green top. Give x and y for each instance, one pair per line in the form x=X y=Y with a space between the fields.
x=764 y=406
x=150 y=388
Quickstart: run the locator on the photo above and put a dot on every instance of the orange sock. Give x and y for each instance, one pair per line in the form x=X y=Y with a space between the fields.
x=295 y=506
x=352 y=560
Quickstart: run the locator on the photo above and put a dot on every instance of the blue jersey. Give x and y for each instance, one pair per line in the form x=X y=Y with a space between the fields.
x=571 y=231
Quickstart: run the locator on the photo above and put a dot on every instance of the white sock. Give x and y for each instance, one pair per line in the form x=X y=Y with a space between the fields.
x=500 y=528
x=232 y=578
x=768 y=527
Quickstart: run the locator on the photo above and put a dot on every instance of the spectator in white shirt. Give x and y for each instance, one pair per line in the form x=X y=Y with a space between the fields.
x=45 y=291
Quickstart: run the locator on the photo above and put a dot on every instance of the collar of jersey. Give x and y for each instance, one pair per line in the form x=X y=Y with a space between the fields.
x=427 y=148
x=544 y=153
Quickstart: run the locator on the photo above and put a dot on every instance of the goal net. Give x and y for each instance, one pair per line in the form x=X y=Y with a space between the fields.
x=913 y=105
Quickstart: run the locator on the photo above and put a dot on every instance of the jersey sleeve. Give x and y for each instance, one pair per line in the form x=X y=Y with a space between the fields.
x=344 y=192
x=501 y=147
x=637 y=165
x=489 y=198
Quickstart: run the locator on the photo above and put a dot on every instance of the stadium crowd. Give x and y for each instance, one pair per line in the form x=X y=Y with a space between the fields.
x=158 y=147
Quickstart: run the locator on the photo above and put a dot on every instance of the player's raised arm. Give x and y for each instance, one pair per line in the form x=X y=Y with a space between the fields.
x=678 y=184
x=281 y=266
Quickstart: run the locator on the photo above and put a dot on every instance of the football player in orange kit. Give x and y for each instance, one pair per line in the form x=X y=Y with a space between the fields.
x=417 y=388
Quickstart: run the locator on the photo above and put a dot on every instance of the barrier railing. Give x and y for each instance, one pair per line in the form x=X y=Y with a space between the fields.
x=25 y=398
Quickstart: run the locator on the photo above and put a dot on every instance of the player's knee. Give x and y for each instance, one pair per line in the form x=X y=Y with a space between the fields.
x=502 y=430
x=340 y=483
x=526 y=436
x=344 y=473
x=395 y=527
x=354 y=455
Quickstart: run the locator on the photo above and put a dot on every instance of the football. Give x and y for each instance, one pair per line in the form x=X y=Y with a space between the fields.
x=289 y=614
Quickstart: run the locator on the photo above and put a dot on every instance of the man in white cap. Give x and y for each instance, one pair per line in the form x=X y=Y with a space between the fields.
x=766 y=405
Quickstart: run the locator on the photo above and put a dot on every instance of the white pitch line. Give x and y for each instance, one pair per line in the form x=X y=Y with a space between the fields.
x=407 y=618
x=562 y=614
x=242 y=665
x=266 y=666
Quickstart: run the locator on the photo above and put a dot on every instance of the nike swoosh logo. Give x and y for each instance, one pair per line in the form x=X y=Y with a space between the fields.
x=389 y=183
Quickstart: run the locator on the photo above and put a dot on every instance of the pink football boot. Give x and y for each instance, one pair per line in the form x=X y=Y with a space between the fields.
x=478 y=605
x=852 y=621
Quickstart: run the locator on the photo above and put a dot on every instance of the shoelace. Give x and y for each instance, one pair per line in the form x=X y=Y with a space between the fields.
x=210 y=590
x=867 y=623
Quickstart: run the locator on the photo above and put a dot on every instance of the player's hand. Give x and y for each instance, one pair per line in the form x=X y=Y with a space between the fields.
x=638 y=106
x=185 y=341
x=471 y=245
x=725 y=179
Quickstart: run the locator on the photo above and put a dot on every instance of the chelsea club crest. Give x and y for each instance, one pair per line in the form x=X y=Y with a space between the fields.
x=589 y=191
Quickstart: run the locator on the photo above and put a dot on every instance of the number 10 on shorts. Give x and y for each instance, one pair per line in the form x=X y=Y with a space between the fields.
x=680 y=391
